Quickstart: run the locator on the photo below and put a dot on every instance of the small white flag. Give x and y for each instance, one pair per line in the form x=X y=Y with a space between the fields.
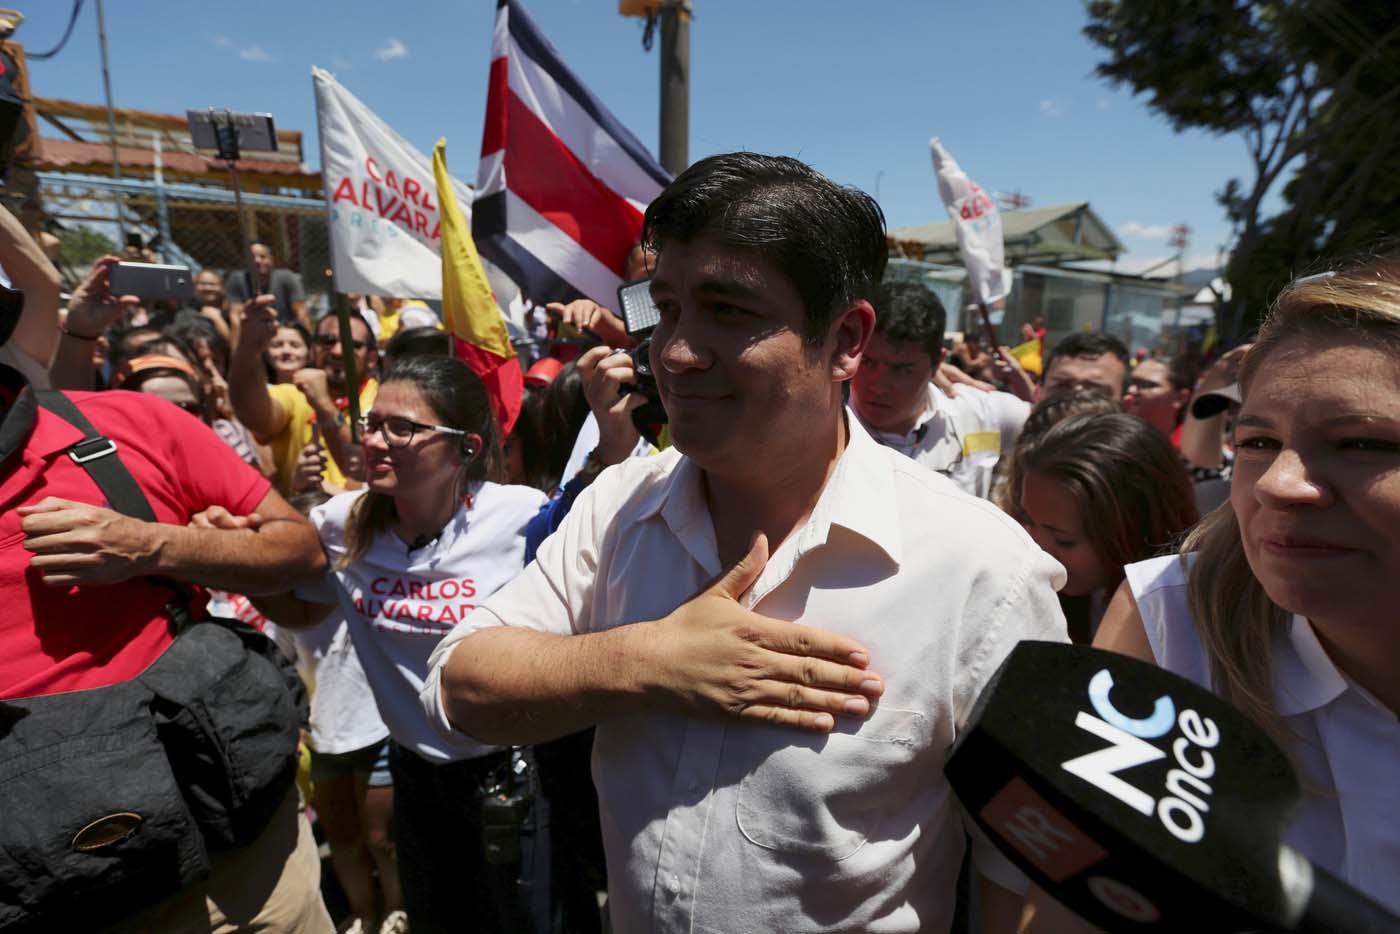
x=978 y=223
x=382 y=200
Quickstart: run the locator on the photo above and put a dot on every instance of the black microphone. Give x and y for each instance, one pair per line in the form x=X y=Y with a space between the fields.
x=1141 y=801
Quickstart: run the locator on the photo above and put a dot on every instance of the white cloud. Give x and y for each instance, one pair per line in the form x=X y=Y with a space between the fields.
x=1050 y=108
x=222 y=42
x=391 y=50
x=254 y=53
x=1146 y=231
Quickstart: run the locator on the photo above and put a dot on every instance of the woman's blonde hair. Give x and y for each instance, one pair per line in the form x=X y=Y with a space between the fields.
x=1236 y=619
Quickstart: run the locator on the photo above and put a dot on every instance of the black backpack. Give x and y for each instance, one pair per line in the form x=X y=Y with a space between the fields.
x=113 y=797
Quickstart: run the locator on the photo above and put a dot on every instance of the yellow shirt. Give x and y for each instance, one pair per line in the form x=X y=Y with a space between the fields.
x=287 y=444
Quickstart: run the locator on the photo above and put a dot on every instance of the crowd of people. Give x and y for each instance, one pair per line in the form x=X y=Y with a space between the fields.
x=711 y=667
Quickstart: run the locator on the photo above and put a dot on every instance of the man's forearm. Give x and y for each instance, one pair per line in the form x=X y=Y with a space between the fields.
x=335 y=434
x=280 y=553
x=252 y=404
x=1201 y=440
x=72 y=366
x=510 y=685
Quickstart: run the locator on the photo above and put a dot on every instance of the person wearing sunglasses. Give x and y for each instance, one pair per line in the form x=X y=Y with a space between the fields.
x=435 y=533
x=286 y=416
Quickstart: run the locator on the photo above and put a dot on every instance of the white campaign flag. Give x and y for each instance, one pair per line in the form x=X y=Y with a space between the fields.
x=978 y=223
x=382 y=201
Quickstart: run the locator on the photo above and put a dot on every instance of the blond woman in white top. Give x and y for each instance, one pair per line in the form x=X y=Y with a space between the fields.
x=1287 y=599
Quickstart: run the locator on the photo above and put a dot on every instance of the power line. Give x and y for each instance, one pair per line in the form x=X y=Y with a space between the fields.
x=67 y=34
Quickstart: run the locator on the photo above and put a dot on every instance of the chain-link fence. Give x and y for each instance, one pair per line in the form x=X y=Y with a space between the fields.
x=185 y=225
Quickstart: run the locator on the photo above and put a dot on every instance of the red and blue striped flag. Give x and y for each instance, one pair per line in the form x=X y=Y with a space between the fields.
x=562 y=184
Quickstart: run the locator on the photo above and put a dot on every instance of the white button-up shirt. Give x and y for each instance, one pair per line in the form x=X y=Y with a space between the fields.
x=727 y=825
x=1347 y=744
x=962 y=437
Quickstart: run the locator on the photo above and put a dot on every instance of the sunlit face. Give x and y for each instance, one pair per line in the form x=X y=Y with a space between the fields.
x=1316 y=483
x=330 y=355
x=262 y=259
x=1103 y=373
x=890 y=390
x=428 y=464
x=739 y=382
x=1150 y=396
x=288 y=352
x=1051 y=516
x=209 y=289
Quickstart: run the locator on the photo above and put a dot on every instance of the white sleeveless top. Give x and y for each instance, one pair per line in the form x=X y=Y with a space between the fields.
x=1348 y=747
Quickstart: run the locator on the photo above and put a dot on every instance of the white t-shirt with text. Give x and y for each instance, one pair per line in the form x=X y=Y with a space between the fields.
x=400 y=602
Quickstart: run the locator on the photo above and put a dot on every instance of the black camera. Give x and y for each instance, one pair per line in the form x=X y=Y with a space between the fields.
x=640 y=316
x=507 y=795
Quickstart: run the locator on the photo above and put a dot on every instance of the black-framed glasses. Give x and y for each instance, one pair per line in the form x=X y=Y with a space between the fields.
x=398 y=431
x=330 y=340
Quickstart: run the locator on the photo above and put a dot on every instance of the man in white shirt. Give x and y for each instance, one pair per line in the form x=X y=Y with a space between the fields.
x=770 y=738
x=961 y=437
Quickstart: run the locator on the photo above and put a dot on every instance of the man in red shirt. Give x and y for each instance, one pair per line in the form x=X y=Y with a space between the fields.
x=81 y=610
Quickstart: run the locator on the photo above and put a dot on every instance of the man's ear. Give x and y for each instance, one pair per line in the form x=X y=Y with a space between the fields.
x=851 y=332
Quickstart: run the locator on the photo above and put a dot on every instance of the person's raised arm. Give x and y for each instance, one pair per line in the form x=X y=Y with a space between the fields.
x=30 y=271
x=334 y=429
x=247 y=377
x=709 y=657
x=1202 y=439
x=80 y=544
x=92 y=309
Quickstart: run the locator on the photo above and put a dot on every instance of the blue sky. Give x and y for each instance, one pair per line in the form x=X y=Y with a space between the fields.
x=855 y=89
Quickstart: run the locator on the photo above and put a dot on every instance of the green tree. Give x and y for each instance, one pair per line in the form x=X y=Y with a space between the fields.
x=1311 y=86
x=82 y=246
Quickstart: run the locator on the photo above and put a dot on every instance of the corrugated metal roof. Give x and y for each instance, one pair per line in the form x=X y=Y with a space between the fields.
x=1060 y=232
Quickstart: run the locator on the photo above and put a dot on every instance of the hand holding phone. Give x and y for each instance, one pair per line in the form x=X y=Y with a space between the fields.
x=151 y=280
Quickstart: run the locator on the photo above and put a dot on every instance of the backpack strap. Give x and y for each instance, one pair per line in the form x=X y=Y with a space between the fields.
x=97 y=455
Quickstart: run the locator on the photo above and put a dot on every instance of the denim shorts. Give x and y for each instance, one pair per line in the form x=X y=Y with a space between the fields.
x=372 y=761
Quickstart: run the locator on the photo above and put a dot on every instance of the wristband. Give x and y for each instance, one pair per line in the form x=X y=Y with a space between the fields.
x=76 y=336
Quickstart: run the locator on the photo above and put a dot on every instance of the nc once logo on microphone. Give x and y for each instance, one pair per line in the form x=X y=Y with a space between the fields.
x=1186 y=794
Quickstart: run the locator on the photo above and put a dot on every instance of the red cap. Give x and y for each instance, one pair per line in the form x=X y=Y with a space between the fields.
x=543 y=372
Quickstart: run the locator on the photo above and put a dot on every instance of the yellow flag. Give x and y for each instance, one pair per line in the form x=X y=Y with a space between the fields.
x=1028 y=355
x=469 y=308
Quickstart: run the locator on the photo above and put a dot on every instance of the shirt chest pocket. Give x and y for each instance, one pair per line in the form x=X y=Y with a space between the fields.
x=827 y=795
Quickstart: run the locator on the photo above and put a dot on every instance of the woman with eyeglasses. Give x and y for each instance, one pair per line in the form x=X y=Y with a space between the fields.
x=433 y=534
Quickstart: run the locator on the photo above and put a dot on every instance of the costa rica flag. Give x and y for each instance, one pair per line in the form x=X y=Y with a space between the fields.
x=562 y=184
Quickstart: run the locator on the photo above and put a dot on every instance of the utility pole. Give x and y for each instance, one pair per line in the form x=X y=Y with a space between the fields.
x=675 y=85
x=111 y=119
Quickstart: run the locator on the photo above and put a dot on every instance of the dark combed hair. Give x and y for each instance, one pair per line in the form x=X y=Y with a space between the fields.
x=1132 y=492
x=457 y=398
x=1088 y=344
x=412 y=342
x=826 y=239
x=906 y=312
